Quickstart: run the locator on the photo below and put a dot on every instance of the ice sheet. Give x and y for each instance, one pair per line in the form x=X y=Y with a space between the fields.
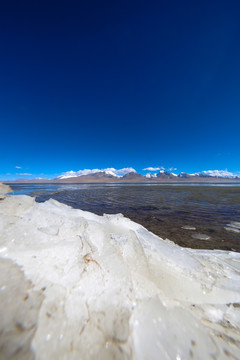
x=103 y=287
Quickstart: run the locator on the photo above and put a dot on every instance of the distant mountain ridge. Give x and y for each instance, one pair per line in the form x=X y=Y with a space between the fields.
x=161 y=175
x=103 y=176
x=130 y=175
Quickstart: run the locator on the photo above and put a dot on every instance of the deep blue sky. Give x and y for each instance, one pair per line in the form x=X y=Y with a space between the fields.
x=95 y=84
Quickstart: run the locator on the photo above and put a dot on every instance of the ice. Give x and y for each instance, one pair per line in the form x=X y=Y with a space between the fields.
x=200 y=236
x=4 y=189
x=233 y=226
x=188 y=227
x=103 y=287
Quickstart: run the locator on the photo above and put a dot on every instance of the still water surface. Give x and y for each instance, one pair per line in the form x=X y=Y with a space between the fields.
x=204 y=210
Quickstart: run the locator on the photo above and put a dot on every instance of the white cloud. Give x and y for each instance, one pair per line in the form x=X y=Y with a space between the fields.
x=23 y=174
x=125 y=171
x=109 y=171
x=154 y=168
x=18 y=167
x=220 y=173
x=172 y=169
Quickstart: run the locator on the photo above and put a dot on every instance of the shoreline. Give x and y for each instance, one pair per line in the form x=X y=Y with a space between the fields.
x=164 y=215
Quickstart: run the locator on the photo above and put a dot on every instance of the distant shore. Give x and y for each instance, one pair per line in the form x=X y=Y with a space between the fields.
x=120 y=181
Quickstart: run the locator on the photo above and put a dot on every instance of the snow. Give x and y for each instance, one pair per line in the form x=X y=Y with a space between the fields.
x=149 y=175
x=109 y=171
x=4 y=189
x=120 y=172
x=220 y=173
x=77 y=285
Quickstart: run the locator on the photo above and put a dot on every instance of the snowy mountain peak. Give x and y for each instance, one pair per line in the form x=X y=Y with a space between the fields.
x=120 y=173
x=221 y=174
x=108 y=171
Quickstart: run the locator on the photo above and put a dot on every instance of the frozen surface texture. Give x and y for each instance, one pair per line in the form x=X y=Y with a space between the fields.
x=74 y=285
x=4 y=189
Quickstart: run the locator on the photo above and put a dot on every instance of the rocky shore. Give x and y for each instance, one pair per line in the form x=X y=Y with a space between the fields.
x=74 y=285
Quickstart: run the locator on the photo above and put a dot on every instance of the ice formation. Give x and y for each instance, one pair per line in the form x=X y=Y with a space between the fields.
x=4 y=189
x=74 y=285
x=234 y=226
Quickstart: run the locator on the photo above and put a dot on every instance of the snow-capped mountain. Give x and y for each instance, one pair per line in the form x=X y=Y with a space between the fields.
x=184 y=175
x=166 y=175
x=163 y=174
x=151 y=176
x=133 y=176
x=220 y=174
x=112 y=172
x=130 y=174
x=224 y=174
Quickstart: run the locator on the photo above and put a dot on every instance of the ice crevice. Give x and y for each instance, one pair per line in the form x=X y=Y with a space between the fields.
x=103 y=287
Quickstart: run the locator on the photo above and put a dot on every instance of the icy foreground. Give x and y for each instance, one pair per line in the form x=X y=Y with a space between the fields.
x=74 y=285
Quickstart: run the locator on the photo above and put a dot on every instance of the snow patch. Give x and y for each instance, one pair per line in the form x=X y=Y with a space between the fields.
x=150 y=176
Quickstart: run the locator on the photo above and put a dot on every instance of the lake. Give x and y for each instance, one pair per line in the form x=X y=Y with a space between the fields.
x=197 y=215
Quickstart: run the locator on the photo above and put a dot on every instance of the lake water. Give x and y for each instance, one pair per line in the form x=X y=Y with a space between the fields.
x=192 y=215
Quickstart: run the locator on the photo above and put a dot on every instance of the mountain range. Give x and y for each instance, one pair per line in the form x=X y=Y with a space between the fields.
x=133 y=176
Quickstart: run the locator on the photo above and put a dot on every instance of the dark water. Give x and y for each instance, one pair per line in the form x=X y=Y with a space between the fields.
x=162 y=208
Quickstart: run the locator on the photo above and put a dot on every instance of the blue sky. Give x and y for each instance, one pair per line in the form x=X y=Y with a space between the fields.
x=103 y=84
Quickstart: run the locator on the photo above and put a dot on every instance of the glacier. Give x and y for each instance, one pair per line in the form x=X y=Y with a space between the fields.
x=75 y=285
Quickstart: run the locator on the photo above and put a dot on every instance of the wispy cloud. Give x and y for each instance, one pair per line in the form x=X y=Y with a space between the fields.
x=18 y=167
x=172 y=169
x=154 y=168
x=23 y=174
